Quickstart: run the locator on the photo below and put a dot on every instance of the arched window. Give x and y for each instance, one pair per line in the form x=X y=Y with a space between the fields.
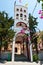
x=21 y=9
x=21 y=15
x=22 y=24
x=17 y=14
x=17 y=9
x=15 y=49
x=24 y=10
x=25 y=16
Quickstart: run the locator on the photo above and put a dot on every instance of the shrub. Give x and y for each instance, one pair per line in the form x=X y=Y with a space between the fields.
x=35 y=57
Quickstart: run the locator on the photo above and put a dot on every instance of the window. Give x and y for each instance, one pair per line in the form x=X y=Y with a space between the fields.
x=17 y=18
x=21 y=9
x=25 y=16
x=25 y=19
x=17 y=14
x=18 y=24
x=21 y=15
x=17 y=9
x=24 y=10
x=15 y=49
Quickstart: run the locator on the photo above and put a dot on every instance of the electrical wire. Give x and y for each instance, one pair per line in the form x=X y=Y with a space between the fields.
x=34 y=8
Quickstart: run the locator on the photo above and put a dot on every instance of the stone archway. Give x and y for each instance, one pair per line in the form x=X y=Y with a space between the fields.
x=18 y=44
x=21 y=46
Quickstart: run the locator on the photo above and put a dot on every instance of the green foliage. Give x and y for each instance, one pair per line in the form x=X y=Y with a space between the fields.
x=6 y=32
x=38 y=1
x=41 y=36
x=35 y=57
x=42 y=6
x=32 y=25
x=42 y=0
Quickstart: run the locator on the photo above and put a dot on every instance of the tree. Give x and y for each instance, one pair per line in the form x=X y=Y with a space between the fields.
x=38 y=1
x=27 y=47
x=6 y=31
x=35 y=41
x=41 y=4
x=32 y=26
x=41 y=36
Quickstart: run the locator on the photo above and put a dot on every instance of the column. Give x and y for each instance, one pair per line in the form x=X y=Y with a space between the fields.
x=13 y=49
x=31 y=56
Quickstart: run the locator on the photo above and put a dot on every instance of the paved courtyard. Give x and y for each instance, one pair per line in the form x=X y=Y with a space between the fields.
x=20 y=60
x=21 y=63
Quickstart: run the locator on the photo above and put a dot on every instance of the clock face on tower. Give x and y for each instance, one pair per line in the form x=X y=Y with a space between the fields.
x=22 y=24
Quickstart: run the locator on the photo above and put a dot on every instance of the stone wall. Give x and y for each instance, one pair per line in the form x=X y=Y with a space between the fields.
x=40 y=55
x=5 y=55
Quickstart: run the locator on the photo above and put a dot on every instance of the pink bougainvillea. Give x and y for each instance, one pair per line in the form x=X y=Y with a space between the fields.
x=22 y=31
x=40 y=11
x=41 y=17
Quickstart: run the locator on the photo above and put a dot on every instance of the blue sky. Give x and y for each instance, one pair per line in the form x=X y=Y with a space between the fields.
x=8 y=6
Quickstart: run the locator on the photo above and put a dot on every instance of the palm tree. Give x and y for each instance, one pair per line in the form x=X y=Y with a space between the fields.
x=32 y=26
x=6 y=31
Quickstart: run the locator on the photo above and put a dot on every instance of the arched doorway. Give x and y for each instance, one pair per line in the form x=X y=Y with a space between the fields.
x=22 y=49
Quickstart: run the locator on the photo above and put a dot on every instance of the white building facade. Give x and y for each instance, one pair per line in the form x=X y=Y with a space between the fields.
x=20 y=17
x=20 y=23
